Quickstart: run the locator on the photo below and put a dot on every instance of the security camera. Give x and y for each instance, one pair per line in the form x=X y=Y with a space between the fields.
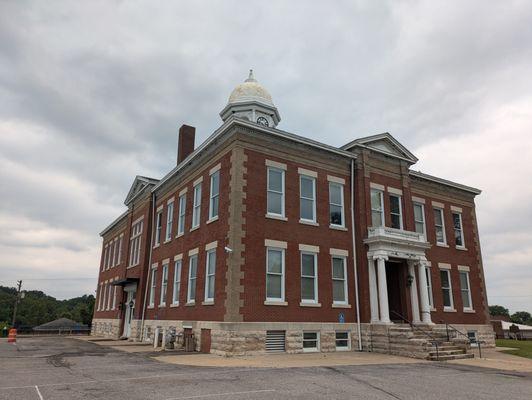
x=228 y=250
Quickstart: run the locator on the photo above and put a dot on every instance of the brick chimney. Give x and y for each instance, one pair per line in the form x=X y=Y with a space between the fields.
x=185 y=142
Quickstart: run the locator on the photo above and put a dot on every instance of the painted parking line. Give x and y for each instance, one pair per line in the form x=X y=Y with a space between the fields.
x=202 y=396
x=38 y=392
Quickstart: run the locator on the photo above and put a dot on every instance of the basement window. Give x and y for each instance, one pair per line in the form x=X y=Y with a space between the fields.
x=342 y=341
x=311 y=341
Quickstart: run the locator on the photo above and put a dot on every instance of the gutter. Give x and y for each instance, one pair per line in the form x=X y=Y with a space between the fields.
x=149 y=268
x=445 y=182
x=357 y=295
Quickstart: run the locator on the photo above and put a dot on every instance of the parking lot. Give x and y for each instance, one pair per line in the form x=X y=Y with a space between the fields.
x=64 y=368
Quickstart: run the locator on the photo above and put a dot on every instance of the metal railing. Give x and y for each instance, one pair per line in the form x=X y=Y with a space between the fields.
x=471 y=342
x=433 y=340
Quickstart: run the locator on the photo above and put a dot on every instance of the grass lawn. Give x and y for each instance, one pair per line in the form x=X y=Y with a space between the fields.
x=523 y=347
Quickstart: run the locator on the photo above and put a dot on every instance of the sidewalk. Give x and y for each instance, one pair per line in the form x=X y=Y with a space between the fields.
x=494 y=358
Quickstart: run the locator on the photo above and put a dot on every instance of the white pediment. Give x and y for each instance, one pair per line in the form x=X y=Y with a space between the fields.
x=384 y=143
x=139 y=184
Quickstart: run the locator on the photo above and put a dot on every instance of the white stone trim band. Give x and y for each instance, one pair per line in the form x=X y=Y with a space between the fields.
x=307 y=172
x=339 y=252
x=309 y=247
x=376 y=186
x=211 y=245
x=275 y=243
x=275 y=164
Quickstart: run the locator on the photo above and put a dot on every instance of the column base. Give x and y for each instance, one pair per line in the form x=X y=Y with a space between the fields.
x=382 y=322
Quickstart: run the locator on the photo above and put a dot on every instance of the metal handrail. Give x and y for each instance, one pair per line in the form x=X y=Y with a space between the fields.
x=434 y=341
x=447 y=326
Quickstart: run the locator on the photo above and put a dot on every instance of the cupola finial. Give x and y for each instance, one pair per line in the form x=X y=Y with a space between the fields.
x=251 y=78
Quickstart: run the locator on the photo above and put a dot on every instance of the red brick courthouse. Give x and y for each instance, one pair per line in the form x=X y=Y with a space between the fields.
x=262 y=240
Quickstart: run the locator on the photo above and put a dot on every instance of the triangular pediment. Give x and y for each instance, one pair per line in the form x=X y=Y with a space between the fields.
x=139 y=185
x=383 y=143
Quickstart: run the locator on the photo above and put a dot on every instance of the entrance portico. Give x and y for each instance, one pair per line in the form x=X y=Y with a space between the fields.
x=389 y=243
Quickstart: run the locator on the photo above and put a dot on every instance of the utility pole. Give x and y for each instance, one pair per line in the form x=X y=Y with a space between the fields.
x=16 y=303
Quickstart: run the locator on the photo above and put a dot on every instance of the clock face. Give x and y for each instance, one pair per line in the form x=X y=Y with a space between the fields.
x=262 y=121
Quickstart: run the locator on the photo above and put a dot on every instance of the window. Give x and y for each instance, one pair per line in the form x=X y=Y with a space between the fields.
x=465 y=290
x=275 y=274
x=458 y=231
x=439 y=226
x=309 y=278
x=114 y=298
x=396 y=212
x=164 y=285
x=152 y=286
x=429 y=286
x=311 y=341
x=169 y=221
x=377 y=209
x=275 y=191
x=177 y=282
x=339 y=273
x=307 y=198
x=446 y=288
x=100 y=297
x=120 y=248
x=158 y=228
x=115 y=258
x=104 y=264
x=110 y=256
x=210 y=270
x=136 y=233
x=196 y=208
x=336 y=204
x=215 y=195
x=182 y=209
x=419 y=219
x=472 y=336
x=109 y=297
x=342 y=341
x=192 y=274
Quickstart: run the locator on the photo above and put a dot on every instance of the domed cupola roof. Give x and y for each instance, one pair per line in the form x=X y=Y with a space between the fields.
x=250 y=90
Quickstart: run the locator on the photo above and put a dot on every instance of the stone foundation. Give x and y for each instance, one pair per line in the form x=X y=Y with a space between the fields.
x=106 y=327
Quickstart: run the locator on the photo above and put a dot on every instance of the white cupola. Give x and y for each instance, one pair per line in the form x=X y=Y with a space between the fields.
x=251 y=101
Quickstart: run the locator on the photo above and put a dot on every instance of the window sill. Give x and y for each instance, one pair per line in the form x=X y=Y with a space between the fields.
x=174 y=305
x=306 y=222
x=303 y=304
x=343 y=349
x=310 y=350
x=442 y=245
x=275 y=303
x=277 y=217
x=162 y=305
x=190 y=303
x=208 y=303
x=433 y=309
x=469 y=311
x=448 y=309
x=193 y=229
x=151 y=307
x=338 y=228
x=212 y=220
x=180 y=234
x=462 y=248
x=157 y=245
x=167 y=240
x=338 y=305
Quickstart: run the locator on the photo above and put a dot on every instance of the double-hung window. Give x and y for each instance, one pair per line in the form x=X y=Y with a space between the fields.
x=210 y=270
x=105 y=251
x=336 y=204
x=215 y=195
x=342 y=341
x=428 y=275
x=377 y=208
x=136 y=233
x=115 y=255
x=309 y=277
x=100 y=297
x=465 y=290
x=274 y=274
x=182 y=210
x=458 y=230
x=446 y=287
x=419 y=219
x=169 y=220
x=196 y=206
x=164 y=285
x=109 y=289
x=192 y=275
x=311 y=341
x=275 y=191
x=110 y=255
x=153 y=284
x=396 y=214
x=177 y=282
x=120 y=248
x=439 y=225
x=114 y=298
x=339 y=280
x=307 y=198
x=158 y=227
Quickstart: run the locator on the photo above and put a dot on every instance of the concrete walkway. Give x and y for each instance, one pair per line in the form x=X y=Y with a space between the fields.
x=494 y=358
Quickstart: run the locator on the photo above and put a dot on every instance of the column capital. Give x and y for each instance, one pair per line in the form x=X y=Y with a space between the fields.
x=380 y=256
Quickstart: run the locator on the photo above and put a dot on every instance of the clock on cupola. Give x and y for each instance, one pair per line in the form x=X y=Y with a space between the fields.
x=250 y=101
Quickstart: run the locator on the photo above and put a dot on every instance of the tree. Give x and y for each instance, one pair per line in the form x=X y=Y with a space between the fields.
x=499 y=310
x=521 y=317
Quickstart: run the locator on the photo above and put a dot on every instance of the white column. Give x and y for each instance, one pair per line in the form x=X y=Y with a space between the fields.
x=373 y=294
x=424 y=294
x=413 y=293
x=383 y=290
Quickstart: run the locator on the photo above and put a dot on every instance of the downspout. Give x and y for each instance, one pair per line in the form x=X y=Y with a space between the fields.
x=357 y=300
x=149 y=267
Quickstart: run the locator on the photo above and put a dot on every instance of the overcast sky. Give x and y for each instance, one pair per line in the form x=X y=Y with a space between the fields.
x=92 y=93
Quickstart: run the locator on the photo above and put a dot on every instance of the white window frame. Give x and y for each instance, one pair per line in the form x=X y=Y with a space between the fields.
x=196 y=206
x=114 y=297
x=182 y=213
x=208 y=276
x=153 y=284
x=110 y=255
x=164 y=285
x=214 y=213
x=169 y=221
x=422 y=221
x=192 y=281
x=332 y=184
x=312 y=199
x=428 y=275
x=120 y=243
x=315 y=276
x=105 y=251
x=459 y=246
x=176 y=289
x=115 y=252
x=344 y=262
x=342 y=348
x=282 y=193
x=100 y=297
x=317 y=340
x=104 y=287
x=400 y=210
x=158 y=227
x=282 y=274
x=468 y=290
x=109 y=295
x=135 y=243
x=376 y=210
x=440 y=210
x=450 y=288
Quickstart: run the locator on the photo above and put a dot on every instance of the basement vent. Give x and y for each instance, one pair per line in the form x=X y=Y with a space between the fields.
x=275 y=341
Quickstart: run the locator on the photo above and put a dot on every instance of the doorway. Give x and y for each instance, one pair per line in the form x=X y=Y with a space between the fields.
x=396 y=282
x=130 y=311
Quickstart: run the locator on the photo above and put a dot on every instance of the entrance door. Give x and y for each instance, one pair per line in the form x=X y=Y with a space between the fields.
x=396 y=291
x=130 y=308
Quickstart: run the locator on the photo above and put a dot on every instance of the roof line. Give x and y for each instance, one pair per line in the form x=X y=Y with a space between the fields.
x=446 y=182
x=112 y=224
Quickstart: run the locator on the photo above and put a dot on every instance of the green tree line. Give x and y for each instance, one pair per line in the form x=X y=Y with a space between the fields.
x=37 y=308
x=519 y=317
